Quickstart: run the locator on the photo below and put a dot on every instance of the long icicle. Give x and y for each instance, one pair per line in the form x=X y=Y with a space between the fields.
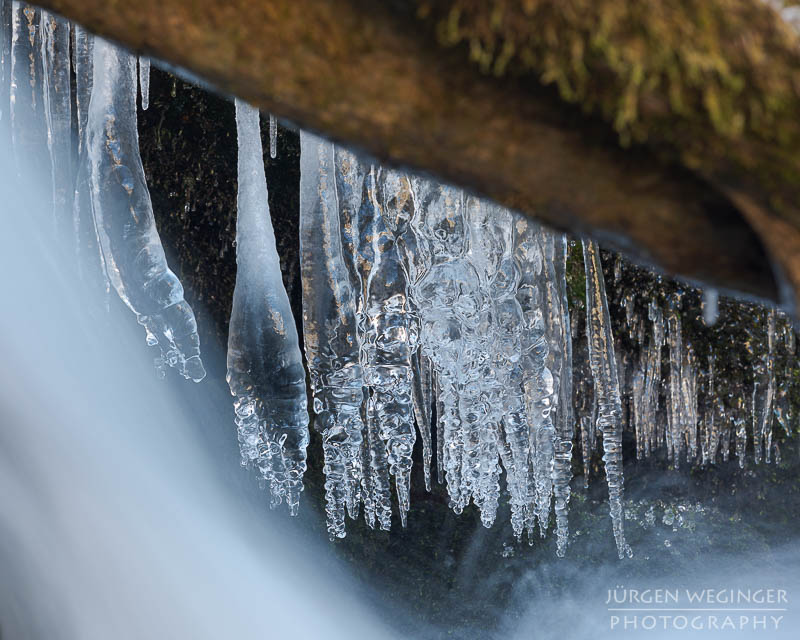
x=383 y=323
x=560 y=339
x=603 y=362
x=445 y=297
x=331 y=339
x=91 y=264
x=537 y=379
x=5 y=72
x=265 y=366
x=28 y=124
x=350 y=184
x=144 y=81
x=58 y=113
x=123 y=214
x=399 y=205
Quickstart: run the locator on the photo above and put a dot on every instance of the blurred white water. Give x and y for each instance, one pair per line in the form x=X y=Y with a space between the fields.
x=115 y=519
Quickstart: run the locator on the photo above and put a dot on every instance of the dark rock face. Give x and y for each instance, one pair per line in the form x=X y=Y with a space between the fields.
x=460 y=578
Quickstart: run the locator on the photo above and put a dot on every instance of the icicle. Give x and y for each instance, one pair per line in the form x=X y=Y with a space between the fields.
x=5 y=70
x=265 y=367
x=559 y=338
x=83 y=62
x=604 y=371
x=537 y=379
x=689 y=401
x=421 y=392
x=28 y=124
x=710 y=307
x=123 y=215
x=440 y=425
x=398 y=207
x=273 y=137
x=713 y=415
x=384 y=330
x=144 y=81
x=331 y=340
x=587 y=418
x=764 y=395
x=58 y=112
x=652 y=388
x=740 y=431
x=350 y=188
x=675 y=406
x=445 y=297
x=87 y=242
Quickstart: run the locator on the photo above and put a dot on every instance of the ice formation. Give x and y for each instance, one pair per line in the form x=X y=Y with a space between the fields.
x=265 y=366
x=703 y=418
x=417 y=295
x=331 y=338
x=26 y=92
x=428 y=313
x=57 y=104
x=144 y=81
x=273 y=136
x=123 y=214
x=99 y=194
x=603 y=362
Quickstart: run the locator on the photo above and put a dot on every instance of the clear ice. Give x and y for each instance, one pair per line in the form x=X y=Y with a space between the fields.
x=144 y=81
x=603 y=362
x=330 y=333
x=265 y=366
x=427 y=313
x=273 y=137
x=58 y=112
x=123 y=214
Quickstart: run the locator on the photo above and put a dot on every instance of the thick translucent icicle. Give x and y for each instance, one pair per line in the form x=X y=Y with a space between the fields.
x=446 y=297
x=58 y=113
x=559 y=336
x=331 y=340
x=28 y=123
x=537 y=379
x=5 y=71
x=87 y=242
x=495 y=393
x=265 y=366
x=123 y=214
x=273 y=137
x=350 y=190
x=603 y=362
x=383 y=322
x=83 y=64
x=399 y=206
x=144 y=81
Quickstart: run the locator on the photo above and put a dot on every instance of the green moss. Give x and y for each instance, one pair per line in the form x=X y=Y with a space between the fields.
x=714 y=85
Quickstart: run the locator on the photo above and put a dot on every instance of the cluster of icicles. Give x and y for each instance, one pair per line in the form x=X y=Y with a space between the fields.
x=696 y=423
x=426 y=311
